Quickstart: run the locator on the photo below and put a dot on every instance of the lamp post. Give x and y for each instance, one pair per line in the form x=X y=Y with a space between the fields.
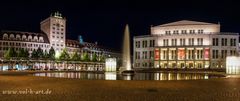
x=1 y=65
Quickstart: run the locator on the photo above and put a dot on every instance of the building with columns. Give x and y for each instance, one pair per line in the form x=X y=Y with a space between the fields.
x=185 y=44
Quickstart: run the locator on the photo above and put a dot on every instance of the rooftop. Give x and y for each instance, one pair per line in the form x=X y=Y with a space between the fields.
x=25 y=33
x=185 y=22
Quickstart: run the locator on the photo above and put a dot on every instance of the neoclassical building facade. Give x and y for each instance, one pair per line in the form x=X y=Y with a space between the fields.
x=185 y=44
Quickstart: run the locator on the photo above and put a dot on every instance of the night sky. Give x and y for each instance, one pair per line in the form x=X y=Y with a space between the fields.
x=104 y=21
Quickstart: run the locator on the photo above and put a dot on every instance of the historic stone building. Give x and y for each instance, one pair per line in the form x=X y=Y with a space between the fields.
x=185 y=44
x=53 y=34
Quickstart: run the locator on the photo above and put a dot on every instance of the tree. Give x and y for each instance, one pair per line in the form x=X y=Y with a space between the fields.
x=94 y=58
x=34 y=54
x=21 y=53
x=10 y=53
x=51 y=53
x=46 y=55
x=75 y=57
x=85 y=57
x=26 y=53
x=51 y=56
x=40 y=53
x=102 y=58
x=64 y=55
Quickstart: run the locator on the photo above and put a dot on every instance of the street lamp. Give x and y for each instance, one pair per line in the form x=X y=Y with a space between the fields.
x=1 y=65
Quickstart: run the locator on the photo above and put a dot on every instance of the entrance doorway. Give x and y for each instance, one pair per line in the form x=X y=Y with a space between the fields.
x=182 y=65
x=190 y=65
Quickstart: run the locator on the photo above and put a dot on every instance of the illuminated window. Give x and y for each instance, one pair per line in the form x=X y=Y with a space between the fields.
x=233 y=65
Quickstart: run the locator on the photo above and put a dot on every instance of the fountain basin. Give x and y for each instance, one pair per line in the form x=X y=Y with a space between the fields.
x=128 y=72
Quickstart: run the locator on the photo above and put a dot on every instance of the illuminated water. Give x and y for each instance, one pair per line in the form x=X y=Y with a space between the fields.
x=126 y=61
x=137 y=76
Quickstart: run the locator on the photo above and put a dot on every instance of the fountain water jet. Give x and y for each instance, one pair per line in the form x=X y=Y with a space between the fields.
x=126 y=59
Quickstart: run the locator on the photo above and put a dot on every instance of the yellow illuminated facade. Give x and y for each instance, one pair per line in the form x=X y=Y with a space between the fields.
x=111 y=65
x=233 y=65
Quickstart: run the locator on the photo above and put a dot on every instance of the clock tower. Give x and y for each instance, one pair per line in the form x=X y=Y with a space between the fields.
x=55 y=28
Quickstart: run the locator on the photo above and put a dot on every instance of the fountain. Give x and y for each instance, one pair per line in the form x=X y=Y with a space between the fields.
x=126 y=58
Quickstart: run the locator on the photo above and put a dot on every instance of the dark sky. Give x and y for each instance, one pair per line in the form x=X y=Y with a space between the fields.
x=104 y=21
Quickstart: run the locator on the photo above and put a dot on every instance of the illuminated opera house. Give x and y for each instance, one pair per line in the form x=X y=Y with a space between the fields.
x=185 y=44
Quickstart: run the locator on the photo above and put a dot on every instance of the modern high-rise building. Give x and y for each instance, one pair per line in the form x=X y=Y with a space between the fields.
x=185 y=44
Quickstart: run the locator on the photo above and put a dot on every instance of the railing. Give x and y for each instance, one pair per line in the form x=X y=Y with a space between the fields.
x=210 y=33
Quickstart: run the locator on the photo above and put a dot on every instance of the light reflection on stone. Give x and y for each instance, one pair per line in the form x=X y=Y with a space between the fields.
x=110 y=76
x=137 y=76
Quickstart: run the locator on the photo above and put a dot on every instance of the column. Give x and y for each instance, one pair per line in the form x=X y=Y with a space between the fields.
x=167 y=58
x=185 y=54
x=194 y=57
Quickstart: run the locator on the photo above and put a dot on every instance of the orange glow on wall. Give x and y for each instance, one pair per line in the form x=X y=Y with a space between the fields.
x=206 y=54
x=157 y=54
x=181 y=54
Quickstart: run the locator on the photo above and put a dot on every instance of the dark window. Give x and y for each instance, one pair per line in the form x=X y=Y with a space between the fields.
x=225 y=41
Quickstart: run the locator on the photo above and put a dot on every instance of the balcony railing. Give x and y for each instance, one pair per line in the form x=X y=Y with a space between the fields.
x=210 y=33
